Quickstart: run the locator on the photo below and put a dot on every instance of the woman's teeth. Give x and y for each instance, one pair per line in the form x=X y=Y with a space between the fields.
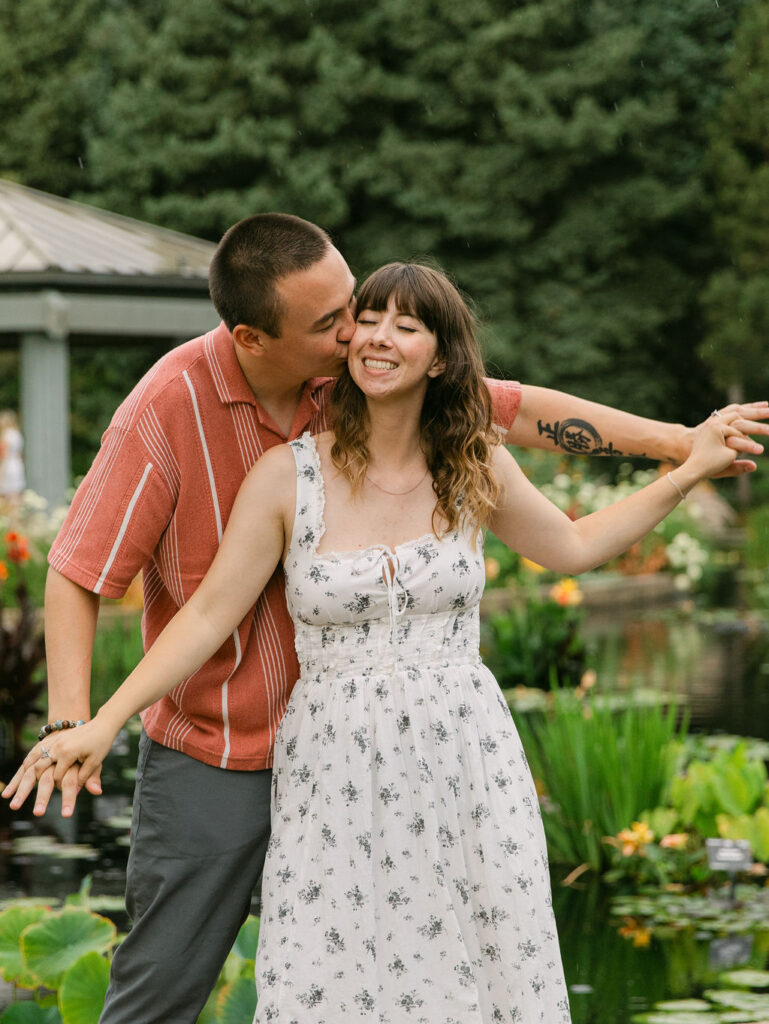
x=379 y=364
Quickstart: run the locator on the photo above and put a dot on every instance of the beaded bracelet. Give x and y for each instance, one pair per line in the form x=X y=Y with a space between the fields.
x=57 y=726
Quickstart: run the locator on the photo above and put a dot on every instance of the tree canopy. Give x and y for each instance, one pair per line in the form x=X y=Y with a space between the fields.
x=551 y=154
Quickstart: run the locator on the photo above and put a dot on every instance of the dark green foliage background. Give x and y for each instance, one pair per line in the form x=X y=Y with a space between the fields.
x=560 y=157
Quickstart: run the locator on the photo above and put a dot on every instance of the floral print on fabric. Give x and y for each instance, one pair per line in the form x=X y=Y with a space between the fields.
x=406 y=880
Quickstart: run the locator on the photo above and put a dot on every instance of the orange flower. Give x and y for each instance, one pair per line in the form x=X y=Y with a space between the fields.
x=632 y=840
x=3 y=572
x=675 y=841
x=633 y=929
x=18 y=548
x=492 y=568
x=566 y=592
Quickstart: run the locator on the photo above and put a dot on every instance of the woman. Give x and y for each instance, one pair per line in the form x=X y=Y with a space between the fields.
x=406 y=878
x=12 y=478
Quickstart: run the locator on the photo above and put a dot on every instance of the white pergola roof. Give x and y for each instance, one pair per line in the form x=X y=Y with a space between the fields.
x=41 y=233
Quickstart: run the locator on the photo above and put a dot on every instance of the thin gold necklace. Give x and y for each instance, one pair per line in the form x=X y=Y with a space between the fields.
x=398 y=493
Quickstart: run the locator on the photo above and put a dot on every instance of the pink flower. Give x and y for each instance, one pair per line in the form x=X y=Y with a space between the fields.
x=675 y=841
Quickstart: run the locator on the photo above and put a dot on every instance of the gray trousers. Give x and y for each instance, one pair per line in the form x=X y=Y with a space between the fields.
x=198 y=840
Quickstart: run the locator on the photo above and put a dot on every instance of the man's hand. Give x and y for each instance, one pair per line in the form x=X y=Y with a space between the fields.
x=40 y=773
x=750 y=419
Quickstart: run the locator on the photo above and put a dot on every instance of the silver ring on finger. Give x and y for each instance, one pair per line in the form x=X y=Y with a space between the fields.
x=717 y=413
x=44 y=753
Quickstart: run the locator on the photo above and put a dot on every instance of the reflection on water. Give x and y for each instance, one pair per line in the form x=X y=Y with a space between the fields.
x=720 y=663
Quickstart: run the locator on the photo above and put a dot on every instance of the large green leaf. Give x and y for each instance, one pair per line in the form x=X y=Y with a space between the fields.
x=30 y=1013
x=59 y=940
x=237 y=1002
x=83 y=988
x=248 y=937
x=12 y=923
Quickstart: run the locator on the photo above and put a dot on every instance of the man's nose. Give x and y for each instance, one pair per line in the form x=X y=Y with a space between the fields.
x=346 y=328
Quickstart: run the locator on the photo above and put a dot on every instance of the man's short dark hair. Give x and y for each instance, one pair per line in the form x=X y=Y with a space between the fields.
x=252 y=257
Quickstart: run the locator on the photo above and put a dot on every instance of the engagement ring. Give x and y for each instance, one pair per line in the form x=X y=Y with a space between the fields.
x=44 y=753
x=716 y=413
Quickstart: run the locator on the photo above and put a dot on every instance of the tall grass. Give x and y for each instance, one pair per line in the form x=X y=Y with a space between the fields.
x=598 y=764
x=117 y=650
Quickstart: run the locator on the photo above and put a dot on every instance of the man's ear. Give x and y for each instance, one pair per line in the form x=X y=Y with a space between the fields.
x=249 y=338
x=437 y=368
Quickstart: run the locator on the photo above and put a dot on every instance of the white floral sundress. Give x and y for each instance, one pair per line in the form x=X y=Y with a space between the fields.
x=406 y=879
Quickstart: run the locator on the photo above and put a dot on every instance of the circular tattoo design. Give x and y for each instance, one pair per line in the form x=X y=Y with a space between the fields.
x=578 y=437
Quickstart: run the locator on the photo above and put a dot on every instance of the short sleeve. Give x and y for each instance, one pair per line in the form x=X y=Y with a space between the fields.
x=505 y=401
x=117 y=517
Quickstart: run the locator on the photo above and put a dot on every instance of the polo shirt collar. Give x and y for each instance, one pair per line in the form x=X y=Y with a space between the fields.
x=232 y=386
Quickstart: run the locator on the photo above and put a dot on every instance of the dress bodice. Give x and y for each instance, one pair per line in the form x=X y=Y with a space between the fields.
x=369 y=611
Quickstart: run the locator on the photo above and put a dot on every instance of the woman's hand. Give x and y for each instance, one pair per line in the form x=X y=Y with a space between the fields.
x=85 y=746
x=710 y=455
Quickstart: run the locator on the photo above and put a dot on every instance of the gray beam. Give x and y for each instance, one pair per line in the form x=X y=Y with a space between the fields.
x=45 y=414
x=134 y=316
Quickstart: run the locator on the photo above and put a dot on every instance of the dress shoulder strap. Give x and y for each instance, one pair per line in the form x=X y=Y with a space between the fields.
x=310 y=499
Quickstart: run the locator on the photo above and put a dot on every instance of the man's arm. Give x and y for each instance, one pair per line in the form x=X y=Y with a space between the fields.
x=70 y=626
x=556 y=421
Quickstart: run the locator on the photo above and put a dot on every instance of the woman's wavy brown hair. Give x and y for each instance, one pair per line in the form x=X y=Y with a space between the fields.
x=456 y=427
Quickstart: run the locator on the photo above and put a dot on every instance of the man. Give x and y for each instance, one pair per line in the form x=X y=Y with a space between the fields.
x=157 y=498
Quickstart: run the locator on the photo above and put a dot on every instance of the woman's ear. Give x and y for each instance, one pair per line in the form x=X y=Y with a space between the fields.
x=437 y=368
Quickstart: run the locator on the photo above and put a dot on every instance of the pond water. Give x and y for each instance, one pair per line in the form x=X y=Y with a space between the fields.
x=721 y=666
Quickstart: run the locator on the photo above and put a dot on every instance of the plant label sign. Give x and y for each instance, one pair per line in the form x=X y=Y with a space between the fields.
x=730 y=855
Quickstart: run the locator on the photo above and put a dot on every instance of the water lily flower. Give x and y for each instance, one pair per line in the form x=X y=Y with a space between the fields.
x=633 y=929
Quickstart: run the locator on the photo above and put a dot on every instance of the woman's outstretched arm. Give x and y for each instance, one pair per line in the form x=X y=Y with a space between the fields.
x=531 y=525
x=251 y=547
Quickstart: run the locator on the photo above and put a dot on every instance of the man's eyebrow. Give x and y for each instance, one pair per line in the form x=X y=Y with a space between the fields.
x=335 y=312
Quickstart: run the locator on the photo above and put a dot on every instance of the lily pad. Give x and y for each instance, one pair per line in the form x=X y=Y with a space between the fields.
x=735 y=999
x=58 y=941
x=681 y=1017
x=31 y=1013
x=12 y=923
x=83 y=989
x=745 y=979
x=683 y=1005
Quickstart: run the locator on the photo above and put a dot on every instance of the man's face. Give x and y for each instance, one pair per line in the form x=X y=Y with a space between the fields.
x=318 y=319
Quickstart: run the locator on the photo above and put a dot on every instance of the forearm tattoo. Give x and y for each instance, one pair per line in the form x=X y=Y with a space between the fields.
x=578 y=437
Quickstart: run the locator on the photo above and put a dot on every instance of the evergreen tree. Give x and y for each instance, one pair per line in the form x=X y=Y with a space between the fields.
x=737 y=296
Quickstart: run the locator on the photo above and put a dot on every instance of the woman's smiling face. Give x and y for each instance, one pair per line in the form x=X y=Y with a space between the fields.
x=392 y=352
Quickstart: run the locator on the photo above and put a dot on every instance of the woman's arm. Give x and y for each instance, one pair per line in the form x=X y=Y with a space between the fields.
x=531 y=525
x=255 y=539
x=556 y=421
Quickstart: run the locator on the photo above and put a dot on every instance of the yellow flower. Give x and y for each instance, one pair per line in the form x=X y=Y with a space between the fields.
x=675 y=841
x=566 y=592
x=531 y=566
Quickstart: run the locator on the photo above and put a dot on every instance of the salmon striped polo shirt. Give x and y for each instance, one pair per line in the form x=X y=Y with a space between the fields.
x=157 y=499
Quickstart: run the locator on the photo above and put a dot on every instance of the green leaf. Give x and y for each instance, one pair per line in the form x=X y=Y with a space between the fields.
x=12 y=923
x=83 y=988
x=237 y=1002
x=55 y=943
x=30 y=1013
x=248 y=936
x=682 y=1017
